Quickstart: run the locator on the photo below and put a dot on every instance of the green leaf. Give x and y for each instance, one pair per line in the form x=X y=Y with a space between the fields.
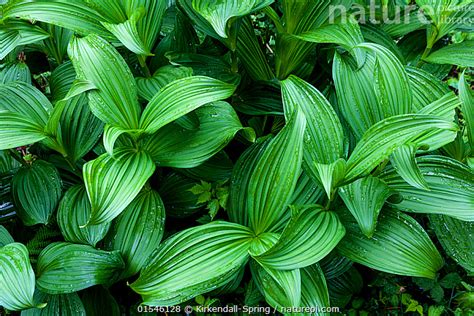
x=192 y=262
x=112 y=182
x=399 y=246
x=279 y=287
x=36 y=191
x=306 y=191
x=467 y=107
x=18 y=131
x=455 y=236
x=275 y=176
x=15 y=72
x=314 y=290
x=451 y=186
x=309 y=236
x=79 y=128
x=181 y=97
x=455 y=54
x=404 y=162
x=364 y=198
x=73 y=212
x=330 y=175
x=148 y=87
x=61 y=80
x=25 y=111
x=379 y=89
x=5 y=237
x=14 y=33
x=138 y=230
x=426 y=88
x=115 y=101
x=175 y=146
x=127 y=33
x=17 y=279
x=60 y=304
x=71 y=15
x=85 y=267
x=237 y=202
x=383 y=138
x=220 y=14
x=250 y=53
x=346 y=34
x=324 y=137
x=97 y=299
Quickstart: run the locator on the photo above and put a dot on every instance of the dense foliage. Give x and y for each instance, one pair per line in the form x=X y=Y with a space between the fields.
x=257 y=153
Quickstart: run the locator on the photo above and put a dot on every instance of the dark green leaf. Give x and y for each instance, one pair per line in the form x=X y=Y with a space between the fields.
x=399 y=246
x=138 y=230
x=74 y=211
x=112 y=182
x=17 y=279
x=36 y=190
x=85 y=266
x=192 y=262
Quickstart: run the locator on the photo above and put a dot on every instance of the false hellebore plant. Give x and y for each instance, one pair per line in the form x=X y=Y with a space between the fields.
x=335 y=184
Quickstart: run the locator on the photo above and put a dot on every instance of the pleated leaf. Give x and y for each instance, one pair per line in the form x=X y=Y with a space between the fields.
x=377 y=90
x=74 y=211
x=80 y=129
x=309 y=236
x=15 y=72
x=138 y=230
x=403 y=160
x=5 y=237
x=279 y=287
x=455 y=236
x=381 y=140
x=181 y=97
x=25 y=112
x=250 y=53
x=115 y=101
x=399 y=246
x=237 y=201
x=314 y=290
x=59 y=304
x=192 y=262
x=467 y=107
x=364 y=198
x=127 y=33
x=221 y=13
x=426 y=88
x=71 y=15
x=61 y=80
x=456 y=54
x=14 y=33
x=112 y=182
x=65 y=268
x=175 y=146
x=36 y=190
x=148 y=87
x=17 y=279
x=346 y=34
x=324 y=137
x=451 y=186
x=275 y=176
